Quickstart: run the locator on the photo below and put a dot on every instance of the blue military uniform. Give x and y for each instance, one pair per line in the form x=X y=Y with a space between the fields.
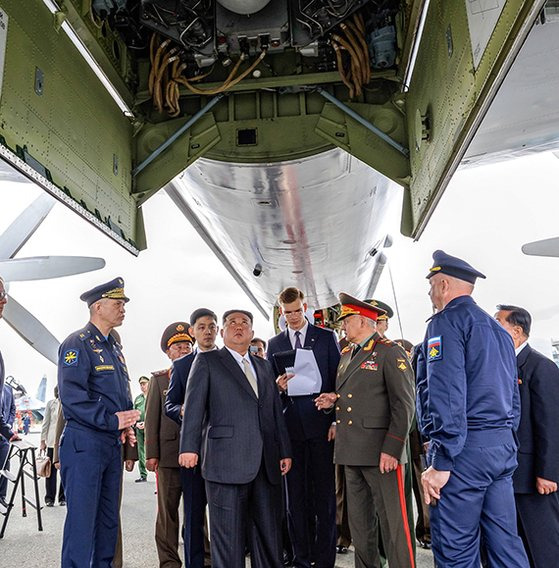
x=93 y=386
x=468 y=409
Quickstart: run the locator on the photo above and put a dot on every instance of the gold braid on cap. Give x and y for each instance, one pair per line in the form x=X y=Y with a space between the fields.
x=348 y=311
x=178 y=337
x=114 y=294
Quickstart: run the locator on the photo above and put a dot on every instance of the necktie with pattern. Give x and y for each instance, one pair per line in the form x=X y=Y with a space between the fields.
x=298 y=340
x=250 y=376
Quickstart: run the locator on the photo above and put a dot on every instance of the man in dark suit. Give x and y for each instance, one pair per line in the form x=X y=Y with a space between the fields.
x=233 y=420
x=203 y=328
x=311 y=488
x=162 y=448
x=535 y=480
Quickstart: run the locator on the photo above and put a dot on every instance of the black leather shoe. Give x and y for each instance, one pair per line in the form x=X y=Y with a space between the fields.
x=424 y=544
x=50 y=503
x=341 y=549
x=62 y=503
x=140 y=480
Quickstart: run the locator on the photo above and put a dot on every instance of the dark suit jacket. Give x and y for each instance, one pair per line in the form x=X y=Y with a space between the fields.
x=161 y=433
x=304 y=421
x=538 y=433
x=232 y=429
x=177 y=386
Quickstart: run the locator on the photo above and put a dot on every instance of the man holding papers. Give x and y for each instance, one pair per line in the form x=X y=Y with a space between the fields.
x=305 y=359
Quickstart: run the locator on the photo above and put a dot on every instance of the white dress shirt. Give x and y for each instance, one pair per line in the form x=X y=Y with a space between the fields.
x=520 y=348
x=302 y=331
x=239 y=358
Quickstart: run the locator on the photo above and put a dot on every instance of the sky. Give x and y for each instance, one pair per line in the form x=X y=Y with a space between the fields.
x=485 y=216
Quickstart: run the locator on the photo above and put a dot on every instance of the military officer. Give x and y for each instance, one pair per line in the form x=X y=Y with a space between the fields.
x=382 y=320
x=536 y=478
x=374 y=409
x=140 y=406
x=468 y=409
x=93 y=388
x=162 y=448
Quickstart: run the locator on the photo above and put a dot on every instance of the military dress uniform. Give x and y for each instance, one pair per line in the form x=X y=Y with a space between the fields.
x=162 y=443
x=468 y=410
x=374 y=410
x=93 y=386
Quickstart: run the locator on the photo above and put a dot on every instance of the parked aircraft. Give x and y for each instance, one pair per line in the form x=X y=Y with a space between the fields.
x=280 y=129
x=24 y=401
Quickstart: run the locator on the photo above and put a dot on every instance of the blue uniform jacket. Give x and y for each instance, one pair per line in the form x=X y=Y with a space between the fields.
x=466 y=379
x=8 y=406
x=303 y=419
x=4 y=428
x=177 y=386
x=92 y=381
x=538 y=433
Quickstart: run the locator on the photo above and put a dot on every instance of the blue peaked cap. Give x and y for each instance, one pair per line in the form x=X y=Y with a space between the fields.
x=114 y=290
x=453 y=266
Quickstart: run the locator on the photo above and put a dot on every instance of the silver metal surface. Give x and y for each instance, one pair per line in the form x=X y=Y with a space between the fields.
x=310 y=223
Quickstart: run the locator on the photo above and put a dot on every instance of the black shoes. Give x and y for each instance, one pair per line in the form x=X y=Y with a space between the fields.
x=341 y=549
x=62 y=503
x=50 y=503
x=424 y=544
x=140 y=480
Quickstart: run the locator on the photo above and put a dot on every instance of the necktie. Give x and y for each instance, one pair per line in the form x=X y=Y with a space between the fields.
x=298 y=340
x=250 y=376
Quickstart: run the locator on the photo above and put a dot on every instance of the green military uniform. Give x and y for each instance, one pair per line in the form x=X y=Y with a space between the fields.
x=374 y=411
x=140 y=404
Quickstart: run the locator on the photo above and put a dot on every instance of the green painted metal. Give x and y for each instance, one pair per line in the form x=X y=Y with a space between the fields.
x=448 y=97
x=74 y=128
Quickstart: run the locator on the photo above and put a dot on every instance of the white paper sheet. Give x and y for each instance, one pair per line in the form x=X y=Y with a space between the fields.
x=307 y=379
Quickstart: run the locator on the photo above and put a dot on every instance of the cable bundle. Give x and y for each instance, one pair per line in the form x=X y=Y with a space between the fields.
x=166 y=76
x=353 y=42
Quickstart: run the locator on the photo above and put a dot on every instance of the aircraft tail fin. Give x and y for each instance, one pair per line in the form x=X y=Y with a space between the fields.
x=42 y=389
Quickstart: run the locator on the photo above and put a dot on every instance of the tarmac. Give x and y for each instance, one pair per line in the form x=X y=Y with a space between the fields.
x=24 y=545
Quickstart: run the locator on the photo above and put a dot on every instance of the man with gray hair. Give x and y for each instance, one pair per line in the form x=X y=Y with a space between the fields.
x=93 y=387
x=536 y=478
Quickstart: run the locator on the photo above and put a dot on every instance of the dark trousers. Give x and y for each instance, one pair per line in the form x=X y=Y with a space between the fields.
x=4 y=464
x=342 y=522
x=167 y=523
x=194 y=500
x=50 y=482
x=311 y=494
x=538 y=525
x=91 y=469
x=478 y=499
x=236 y=510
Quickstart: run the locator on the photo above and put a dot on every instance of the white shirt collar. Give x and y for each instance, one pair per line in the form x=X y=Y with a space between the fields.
x=520 y=347
x=239 y=358
x=302 y=331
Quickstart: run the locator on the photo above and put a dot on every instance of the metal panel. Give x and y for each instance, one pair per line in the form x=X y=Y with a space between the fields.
x=70 y=126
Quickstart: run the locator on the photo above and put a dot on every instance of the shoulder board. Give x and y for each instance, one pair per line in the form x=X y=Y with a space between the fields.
x=83 y=334
x=160 y=373
x=346 y=349
x=385 y=341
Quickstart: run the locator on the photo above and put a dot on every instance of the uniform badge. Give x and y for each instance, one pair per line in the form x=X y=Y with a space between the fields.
x=70 y=357
x=402 y=364
x=435 y=348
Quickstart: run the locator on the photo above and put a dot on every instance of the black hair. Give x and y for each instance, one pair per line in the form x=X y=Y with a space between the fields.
x=517 y=316
x=256 y=339
x=200 y=313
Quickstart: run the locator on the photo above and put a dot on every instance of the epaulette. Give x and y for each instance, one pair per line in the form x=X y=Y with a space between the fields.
x=346 y=349
x=83 y=334
x=160 y=373
x=386 y=341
